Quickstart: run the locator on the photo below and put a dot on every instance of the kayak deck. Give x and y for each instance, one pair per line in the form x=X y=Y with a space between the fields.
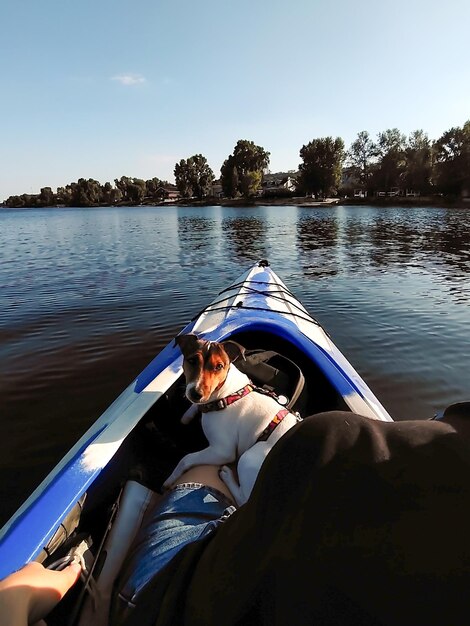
x=141 y=429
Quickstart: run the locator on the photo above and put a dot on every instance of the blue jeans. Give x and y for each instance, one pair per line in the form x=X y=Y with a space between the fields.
x=185 y=514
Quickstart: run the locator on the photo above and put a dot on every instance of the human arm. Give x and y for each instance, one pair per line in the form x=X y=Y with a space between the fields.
x=31 y=593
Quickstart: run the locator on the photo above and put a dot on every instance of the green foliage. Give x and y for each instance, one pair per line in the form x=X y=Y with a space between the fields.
x=452 y=161
x=183 y=178
x=320 y=172
x=361 y=157
x=115 y=196
x=248 y=157
x=250 y=183
x=391 y=163
x=156 y=189
x=229 y=177
x=136 y=190
x=242 y=171
x=194 y=177
x=62 y=196
x=418 y=162
x=234 y=182
x=16 y=202
x=84 y=192
x=123 y=185
x=46 y=197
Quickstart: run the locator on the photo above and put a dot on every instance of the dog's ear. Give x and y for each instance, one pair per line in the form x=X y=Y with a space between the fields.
x=187 y=343
x=234 y=350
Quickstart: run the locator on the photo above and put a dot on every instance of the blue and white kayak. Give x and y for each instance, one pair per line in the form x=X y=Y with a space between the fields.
x=259 y=310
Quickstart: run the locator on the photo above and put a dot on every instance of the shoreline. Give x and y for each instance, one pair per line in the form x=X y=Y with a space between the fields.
x=397 y=201
x=424 y=201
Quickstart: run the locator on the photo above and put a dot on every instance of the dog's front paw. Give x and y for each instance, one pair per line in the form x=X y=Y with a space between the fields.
x=190 y=414
x=226 y=474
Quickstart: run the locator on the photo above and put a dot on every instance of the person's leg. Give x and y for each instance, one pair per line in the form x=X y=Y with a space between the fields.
x=350 y=521
x=191 y=510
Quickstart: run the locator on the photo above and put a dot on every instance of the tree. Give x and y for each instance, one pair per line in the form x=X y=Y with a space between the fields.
x=194 y=177
x=46 y=197
x=115 y=196
x=84 y=192
x=418 y=157
x=154 y=188
x=242 y=171
x=123 y=184
x=136 y=190
x=250 y=183
x=320 y=172
x=229 y=177
x=234 y=181
x=106 y=193
x=15 y=202
x=361 y=156
x=391 y=159
x=452 y=160
x=110 y=194
x=63 y=195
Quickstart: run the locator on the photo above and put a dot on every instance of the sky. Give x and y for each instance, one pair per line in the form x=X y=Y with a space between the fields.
x=105 y=88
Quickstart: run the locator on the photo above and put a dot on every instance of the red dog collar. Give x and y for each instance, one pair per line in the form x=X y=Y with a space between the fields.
x=218 y=405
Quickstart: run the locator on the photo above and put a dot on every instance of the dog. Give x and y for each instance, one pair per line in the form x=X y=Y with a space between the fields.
x=234 y=415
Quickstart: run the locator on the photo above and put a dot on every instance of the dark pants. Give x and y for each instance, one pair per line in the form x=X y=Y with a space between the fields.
x=351 y=521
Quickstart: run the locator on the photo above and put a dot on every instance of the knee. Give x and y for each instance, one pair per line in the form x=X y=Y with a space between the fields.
x=307 y=442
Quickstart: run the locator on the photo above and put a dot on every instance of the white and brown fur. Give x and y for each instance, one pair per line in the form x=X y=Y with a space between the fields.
x=232 y=432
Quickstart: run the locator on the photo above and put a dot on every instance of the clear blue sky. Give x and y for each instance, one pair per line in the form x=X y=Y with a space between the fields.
x=105 y=88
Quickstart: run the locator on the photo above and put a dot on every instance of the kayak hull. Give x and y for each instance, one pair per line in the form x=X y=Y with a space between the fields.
x=258 y=302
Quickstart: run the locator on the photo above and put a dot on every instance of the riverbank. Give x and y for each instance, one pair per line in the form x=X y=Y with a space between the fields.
x=422 y=201
x=402 y=201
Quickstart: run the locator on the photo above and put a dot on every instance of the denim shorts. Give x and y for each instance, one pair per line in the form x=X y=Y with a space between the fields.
x=185 y=514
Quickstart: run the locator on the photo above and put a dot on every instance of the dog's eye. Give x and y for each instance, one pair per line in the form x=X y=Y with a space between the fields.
x=192 y=360
x=219 y=367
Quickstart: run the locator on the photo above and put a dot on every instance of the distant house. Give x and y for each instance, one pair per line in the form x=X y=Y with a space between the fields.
x=393 y=192
x=281 y=183
x=217 y=191
x=169 y=192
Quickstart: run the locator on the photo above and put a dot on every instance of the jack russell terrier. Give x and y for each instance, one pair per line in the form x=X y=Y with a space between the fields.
x=239 y=421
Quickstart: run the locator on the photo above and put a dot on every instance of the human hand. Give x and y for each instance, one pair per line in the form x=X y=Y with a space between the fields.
x=31 y=593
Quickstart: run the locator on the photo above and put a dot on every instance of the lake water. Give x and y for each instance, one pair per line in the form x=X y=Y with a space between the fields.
x=88 y=296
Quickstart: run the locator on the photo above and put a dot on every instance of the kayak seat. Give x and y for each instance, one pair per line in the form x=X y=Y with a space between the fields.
x=274 y=372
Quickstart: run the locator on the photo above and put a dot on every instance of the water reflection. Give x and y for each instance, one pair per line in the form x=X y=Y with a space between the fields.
x=245 y=238
x=89 y=297
x=452 y=241
x=421 y=240
x=392 y=242
x=195 y=232
x=317 y=239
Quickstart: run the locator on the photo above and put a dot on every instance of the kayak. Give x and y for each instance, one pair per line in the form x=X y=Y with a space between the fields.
x=140 y=433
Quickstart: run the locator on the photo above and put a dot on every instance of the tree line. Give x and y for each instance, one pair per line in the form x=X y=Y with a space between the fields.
x=414 y=162
x=89 y=192
x=391 y=161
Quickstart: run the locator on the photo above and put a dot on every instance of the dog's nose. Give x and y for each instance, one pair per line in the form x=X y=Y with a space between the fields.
x=195 y=395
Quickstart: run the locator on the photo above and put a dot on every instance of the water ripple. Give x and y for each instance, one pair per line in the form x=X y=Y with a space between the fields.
x=90 y=295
